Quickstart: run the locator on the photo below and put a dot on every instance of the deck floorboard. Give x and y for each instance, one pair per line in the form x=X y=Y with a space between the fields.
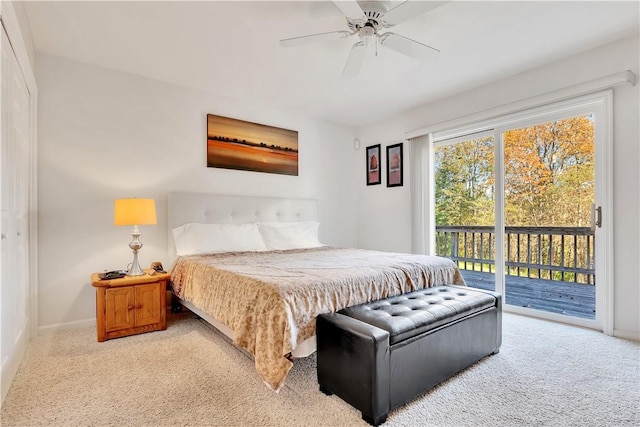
x=568 y=298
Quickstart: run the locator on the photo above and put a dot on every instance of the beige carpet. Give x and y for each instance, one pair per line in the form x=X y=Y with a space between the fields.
x=545 y=374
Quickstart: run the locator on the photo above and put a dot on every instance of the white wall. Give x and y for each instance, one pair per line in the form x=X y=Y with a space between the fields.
x=105 y=135
x=385 y=213
x=25 y=29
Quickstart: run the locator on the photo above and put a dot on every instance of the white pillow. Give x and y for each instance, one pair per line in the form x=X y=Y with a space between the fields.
x=194 y=238
x=290 y=235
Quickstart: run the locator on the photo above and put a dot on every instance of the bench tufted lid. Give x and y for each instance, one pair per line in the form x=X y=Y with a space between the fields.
x=411 y=314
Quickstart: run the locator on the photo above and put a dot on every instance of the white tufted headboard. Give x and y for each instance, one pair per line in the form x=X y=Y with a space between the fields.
x=205 y=208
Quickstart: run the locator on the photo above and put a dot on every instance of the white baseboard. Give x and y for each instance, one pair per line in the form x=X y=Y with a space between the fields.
x=628 y=335
x=12 y=362
x=50 y=329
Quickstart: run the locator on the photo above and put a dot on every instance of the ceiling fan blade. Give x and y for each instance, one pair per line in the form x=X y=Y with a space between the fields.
x=409 y=47
x=410 y=9
x=314 y=38
x=355 y=60
x=350 y=9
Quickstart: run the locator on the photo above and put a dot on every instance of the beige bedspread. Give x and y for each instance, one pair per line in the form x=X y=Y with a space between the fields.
x=270 y=299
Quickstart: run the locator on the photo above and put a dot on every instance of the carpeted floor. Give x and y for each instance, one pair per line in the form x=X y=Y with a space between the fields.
x=546 y=374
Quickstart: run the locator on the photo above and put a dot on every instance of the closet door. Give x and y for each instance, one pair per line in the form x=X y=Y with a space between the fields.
x=14 y=204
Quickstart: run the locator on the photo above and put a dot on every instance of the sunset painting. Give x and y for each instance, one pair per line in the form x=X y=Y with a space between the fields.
x=236 y=144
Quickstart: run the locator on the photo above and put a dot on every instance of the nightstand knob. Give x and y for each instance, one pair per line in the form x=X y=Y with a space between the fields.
x=139 y=306
x=130 y=307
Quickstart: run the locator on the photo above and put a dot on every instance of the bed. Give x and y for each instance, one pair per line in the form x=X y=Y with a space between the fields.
x=266 y=298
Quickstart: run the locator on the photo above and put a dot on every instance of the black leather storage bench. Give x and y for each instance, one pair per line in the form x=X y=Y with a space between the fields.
x=379 y=355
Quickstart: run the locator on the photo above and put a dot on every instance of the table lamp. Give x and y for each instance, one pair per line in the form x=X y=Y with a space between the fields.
x=135 y=212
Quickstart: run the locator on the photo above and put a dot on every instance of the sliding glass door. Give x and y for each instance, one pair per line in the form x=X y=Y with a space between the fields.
x=518 y=207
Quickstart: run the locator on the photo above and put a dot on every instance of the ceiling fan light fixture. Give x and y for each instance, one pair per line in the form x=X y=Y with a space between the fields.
x=366 y=34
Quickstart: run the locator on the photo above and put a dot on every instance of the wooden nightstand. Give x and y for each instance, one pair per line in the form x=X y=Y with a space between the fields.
x=130 y=305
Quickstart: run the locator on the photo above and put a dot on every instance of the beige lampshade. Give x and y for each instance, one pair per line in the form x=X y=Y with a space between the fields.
x=134 y=212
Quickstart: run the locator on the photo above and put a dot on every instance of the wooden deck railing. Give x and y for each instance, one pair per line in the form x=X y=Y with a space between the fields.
x=554 y=253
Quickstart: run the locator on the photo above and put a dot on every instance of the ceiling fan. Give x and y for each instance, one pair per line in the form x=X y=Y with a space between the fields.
x=366 y=19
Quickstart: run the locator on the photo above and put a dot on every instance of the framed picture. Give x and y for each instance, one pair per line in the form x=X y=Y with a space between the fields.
x=374 y=176
x=394 y=165
x=236 y=144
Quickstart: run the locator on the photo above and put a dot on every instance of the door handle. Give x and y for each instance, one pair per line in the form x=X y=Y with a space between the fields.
x=596 y=217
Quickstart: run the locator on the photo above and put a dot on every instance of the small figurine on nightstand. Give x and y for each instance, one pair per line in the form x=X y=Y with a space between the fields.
x=157 y=267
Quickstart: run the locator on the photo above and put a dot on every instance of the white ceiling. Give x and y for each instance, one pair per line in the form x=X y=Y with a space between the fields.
x=231 y=48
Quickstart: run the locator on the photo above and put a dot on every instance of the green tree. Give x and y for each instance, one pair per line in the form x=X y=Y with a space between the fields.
x=464 y=183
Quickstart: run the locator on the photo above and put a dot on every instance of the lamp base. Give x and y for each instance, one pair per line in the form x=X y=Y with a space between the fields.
x=135 y=269
x=135 y=245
